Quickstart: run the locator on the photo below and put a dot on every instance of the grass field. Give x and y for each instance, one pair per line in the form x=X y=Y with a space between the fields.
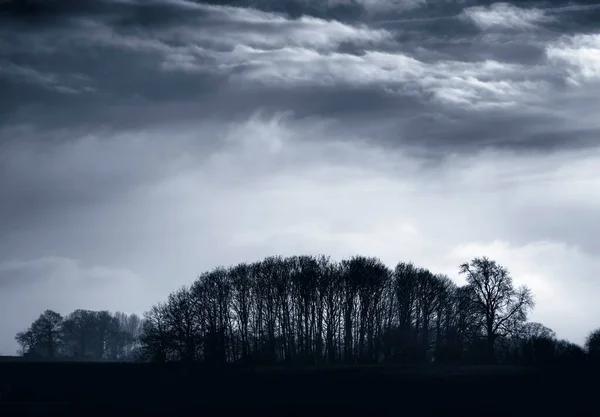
x=124 y=389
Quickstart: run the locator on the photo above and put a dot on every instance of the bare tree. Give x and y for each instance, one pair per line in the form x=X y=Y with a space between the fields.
x=156 y=339
x=241 y=285
x=180 y=314
x=500 y=306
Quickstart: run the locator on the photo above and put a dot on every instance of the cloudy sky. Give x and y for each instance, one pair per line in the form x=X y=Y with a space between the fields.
x=143 y=142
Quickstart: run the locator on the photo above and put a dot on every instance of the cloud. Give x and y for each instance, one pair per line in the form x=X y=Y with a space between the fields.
x=391 y=5
x=458 y=83
x=578 y=55
x=505 y=16
x=274 y=50
x=244 y=26
x=270 y=50
x=66 y=84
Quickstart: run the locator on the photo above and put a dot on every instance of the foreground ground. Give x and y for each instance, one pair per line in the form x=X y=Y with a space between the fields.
x=127 y=389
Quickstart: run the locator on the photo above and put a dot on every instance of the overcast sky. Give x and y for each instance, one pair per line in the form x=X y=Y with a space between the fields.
x=143 y=142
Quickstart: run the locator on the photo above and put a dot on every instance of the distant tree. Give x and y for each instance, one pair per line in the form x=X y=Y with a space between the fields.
x=125 y=336
x=26 y=340
x=592 y=345
x=105 y=328
x=537 y=343
x=531 y=330
x=97 y=335
x=47 y=329
x=500 y=306
x=79 y=333
x=568 y=353
x=131 y=324
x=43 y=337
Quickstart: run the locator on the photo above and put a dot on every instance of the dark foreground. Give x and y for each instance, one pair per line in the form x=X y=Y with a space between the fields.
x=136 y=389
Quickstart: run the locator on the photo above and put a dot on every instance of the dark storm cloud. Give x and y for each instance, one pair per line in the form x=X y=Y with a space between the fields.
x=115 y=62
x=118 y=64
x=160 y=13
x=45 y=11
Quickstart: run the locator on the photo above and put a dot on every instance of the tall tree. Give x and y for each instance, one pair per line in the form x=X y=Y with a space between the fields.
x=241 y=304
x=500 y=306
x=156 y=339
x=182 y=320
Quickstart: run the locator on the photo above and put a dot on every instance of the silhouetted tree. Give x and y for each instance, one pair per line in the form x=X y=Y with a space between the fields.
x=26 y=339
x=43 y=338
x=592 y=345
x=312 y=310
x=500 y=306
x=182 y=320
x=241 y=305
x=534 y=343
x=156 y=339
x=87 y=333
x=568 y=353
x=532 y=330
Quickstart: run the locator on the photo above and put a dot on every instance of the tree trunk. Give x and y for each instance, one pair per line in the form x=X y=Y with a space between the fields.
x=490 y=349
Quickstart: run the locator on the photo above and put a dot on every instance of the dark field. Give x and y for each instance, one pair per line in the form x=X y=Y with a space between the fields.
x=127 y=389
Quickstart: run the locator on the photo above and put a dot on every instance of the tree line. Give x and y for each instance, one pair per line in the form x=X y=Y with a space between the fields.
x=82 y=335
x=312 y=310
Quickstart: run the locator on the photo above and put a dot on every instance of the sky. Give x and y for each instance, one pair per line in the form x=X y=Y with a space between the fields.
x=143 y=142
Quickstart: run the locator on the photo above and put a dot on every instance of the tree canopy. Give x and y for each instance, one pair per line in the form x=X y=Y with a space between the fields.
x=314 y=310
